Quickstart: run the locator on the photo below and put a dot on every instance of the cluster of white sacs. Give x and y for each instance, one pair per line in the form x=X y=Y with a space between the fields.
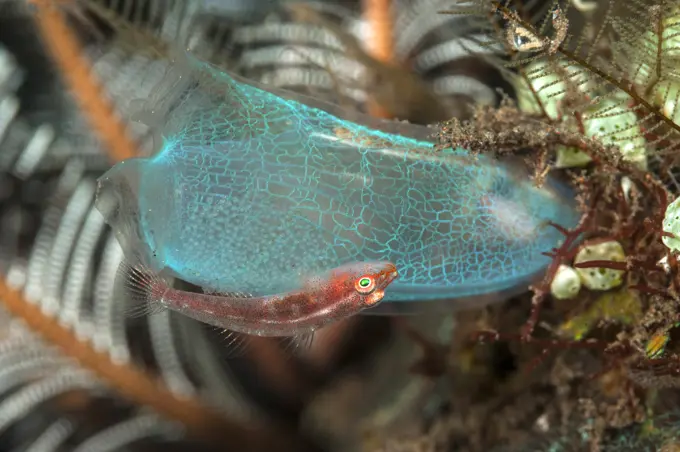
x=568 y=280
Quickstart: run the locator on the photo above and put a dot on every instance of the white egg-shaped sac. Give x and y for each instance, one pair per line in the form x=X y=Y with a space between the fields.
x=600 y=278
x=566 y=284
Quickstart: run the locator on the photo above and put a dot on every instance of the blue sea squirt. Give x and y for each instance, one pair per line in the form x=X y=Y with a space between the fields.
x=251 y=189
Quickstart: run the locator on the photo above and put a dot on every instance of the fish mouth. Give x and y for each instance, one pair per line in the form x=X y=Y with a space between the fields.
x=388 y=275
x=375 y=297
x=384 y=279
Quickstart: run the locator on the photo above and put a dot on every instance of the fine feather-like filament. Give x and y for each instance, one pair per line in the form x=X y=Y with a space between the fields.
x=636 y=72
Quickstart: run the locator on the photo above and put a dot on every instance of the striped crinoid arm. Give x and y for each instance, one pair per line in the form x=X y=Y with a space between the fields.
x=66 y=334
x=452 y=51
x=61 y=293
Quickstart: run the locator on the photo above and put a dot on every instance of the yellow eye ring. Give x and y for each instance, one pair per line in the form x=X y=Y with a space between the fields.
x=365 y=285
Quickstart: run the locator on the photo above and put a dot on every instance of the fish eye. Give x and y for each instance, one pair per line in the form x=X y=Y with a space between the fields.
x=365 y=285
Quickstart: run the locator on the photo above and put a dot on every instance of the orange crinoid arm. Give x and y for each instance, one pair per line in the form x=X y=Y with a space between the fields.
x=86 y=89
x=378 y=15
x=131 y=382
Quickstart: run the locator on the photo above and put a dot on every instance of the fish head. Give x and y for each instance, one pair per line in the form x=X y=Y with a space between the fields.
x=368 y=280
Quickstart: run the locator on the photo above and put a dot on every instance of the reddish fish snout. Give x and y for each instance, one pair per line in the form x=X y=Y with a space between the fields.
x=383 y=279
x=388 y=275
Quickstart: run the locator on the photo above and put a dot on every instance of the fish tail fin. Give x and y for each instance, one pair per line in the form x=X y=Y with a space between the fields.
x=144 y=288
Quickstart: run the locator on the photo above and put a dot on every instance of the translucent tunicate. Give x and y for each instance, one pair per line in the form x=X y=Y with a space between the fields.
x=251 y=189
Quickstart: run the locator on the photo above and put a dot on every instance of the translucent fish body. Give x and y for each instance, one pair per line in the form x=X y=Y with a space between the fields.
x=251 y=189
x=347 y=291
